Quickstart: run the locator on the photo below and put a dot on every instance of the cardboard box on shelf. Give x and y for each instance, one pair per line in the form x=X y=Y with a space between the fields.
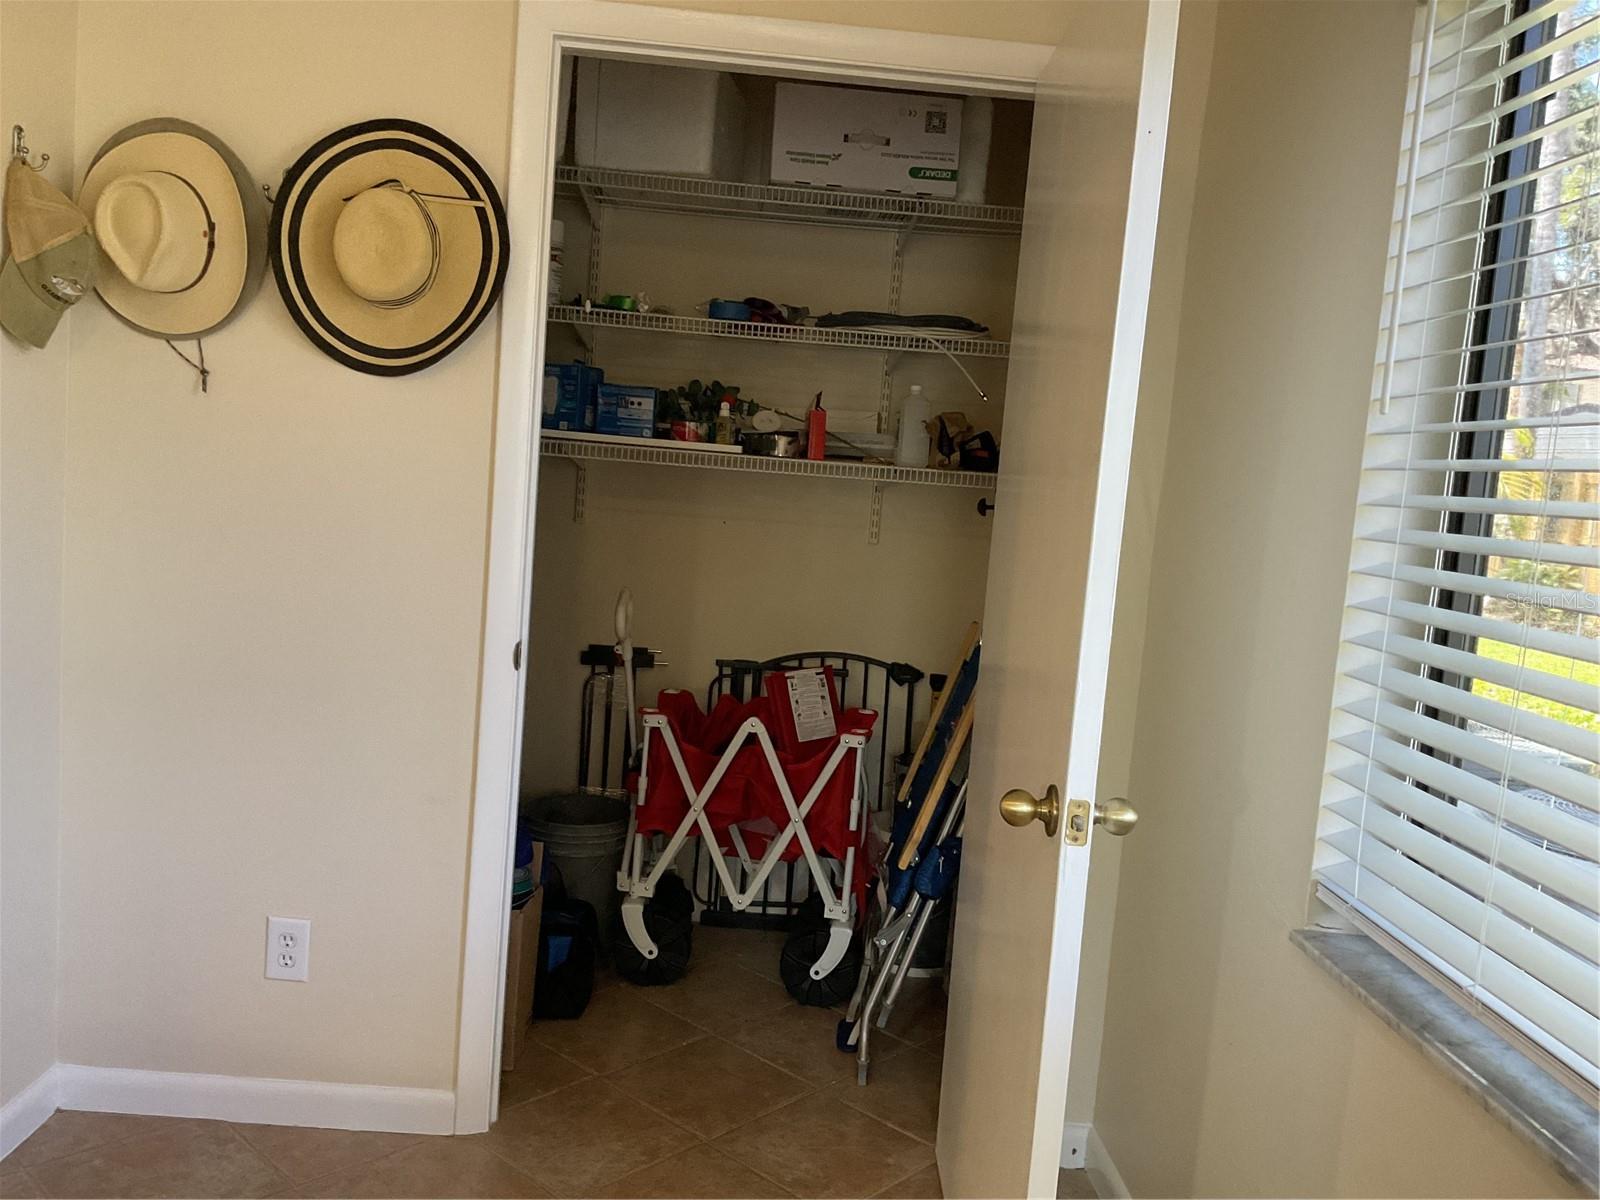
x=626 y=410
x=536 y=864
x=866 y=141
x=657 y=117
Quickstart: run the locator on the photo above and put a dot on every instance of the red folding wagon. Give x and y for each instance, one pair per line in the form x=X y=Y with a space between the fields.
x=776 y=779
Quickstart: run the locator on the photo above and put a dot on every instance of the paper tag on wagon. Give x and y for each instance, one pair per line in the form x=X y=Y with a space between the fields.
x=810 y=704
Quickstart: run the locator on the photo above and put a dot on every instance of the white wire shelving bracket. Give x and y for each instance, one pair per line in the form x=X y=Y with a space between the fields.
x=801 y=335
x=583 y=449
x=600 y=187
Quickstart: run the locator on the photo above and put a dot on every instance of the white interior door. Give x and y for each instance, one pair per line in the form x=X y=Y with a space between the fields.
x=1094 y=184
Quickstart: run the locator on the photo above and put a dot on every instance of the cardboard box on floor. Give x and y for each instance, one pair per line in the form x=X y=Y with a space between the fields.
x=522 y=968
x=522 y=965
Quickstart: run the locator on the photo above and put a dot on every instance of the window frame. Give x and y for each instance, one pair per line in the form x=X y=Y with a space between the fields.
x=1491 y=348
x=1472 y=370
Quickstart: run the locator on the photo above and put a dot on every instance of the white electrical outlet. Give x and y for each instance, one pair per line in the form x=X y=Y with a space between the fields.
x=288 y=948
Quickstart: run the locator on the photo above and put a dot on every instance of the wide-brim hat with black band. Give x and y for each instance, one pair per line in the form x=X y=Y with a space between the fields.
x=181 y=225
x=389 y=244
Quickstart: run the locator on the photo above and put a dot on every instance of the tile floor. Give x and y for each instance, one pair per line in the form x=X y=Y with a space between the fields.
x=719 y=1085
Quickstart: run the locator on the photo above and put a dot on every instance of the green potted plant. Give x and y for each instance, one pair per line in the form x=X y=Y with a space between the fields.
x=688 y=413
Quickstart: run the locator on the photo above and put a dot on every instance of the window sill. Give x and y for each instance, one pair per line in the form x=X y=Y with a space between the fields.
x=1559 y=1124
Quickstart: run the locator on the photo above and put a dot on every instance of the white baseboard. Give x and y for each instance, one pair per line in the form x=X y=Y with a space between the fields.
x=1074 y=1147
x=28 y=1109
x=1103 y=1172
x=255 y=1101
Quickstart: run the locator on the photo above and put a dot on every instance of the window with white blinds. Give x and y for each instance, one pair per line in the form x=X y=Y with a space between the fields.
x=1460 y=816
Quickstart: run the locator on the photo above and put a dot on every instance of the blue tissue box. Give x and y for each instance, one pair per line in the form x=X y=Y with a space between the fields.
x=570 y=394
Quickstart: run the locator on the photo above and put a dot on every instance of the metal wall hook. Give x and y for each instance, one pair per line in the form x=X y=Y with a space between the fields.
x=19 y=149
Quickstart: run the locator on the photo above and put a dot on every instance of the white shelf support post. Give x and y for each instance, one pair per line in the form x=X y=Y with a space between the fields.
x=897 y=267
x=580 y=490
x=886 y=391
x=597 y=225
x=897 y=264
x=586 y=194
x=875 y=517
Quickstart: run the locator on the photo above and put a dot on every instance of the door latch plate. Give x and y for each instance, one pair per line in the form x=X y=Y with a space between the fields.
x=1080 y=813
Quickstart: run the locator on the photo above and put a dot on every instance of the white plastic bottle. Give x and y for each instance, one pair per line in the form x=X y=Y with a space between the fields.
x=911 y=447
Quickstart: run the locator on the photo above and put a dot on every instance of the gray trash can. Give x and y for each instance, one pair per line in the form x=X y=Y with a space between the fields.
x=583 y=834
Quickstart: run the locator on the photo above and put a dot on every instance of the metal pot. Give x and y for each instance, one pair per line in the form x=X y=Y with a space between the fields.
x=783 y=444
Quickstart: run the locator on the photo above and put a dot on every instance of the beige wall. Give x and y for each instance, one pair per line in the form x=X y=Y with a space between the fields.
x=273 y=592
x=700 y=551
x=273 y=598
x=1008 y=20
x=36 y=74
x=1231 y=1065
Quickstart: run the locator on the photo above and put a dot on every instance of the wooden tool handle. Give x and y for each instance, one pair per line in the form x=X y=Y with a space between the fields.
x=908 y=853
x=938 y=711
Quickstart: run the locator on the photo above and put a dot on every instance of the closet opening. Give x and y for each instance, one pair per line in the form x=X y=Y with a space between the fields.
x=774 y=393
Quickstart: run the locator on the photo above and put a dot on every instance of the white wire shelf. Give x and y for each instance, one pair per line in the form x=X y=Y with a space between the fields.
x=804 y=335
x=786 y=202
x=602 y=448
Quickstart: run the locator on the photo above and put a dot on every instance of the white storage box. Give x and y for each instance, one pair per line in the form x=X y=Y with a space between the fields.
x=669 y=120
x=867 y=141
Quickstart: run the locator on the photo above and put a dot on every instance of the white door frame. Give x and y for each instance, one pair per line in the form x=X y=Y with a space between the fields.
x=546 y=28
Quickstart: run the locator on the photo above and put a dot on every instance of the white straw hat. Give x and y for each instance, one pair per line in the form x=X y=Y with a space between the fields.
x=181 y=226
x=389 y=245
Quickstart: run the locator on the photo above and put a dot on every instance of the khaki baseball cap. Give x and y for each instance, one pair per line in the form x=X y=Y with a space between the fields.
x=53 y=256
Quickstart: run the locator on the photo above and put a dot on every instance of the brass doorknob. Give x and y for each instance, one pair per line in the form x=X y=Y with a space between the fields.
x=1116 y=815
x=1018 y=807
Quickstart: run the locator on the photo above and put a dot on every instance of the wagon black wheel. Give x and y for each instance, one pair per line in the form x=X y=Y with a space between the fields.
x=672 y=898
x=673 y=937
x=802 y=949
x=809 y=914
